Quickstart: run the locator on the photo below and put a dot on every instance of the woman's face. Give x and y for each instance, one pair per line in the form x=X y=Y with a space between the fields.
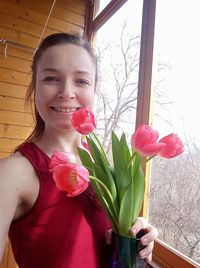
x=65 y=82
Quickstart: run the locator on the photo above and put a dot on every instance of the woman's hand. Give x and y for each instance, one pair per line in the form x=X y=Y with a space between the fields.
x=148 y=239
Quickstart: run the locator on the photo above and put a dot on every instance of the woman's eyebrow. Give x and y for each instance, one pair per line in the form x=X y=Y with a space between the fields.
x=82 y=72
x=50 y=70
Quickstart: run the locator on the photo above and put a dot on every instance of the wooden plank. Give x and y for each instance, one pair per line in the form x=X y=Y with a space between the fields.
x=22 y=38
x=63 y=26
x=39 y=6
x=20 y=25
x=77 y=6
x=30 y=15
x=167 y=257
x=16 y=118
x=18 y=37
x=8 y=145
x=14 y=77
x=8 y=259
x=15 y=63
x=3 y=155
x=35 y=29
x=14 y=104
x=17 y=132
x=67 y=15
x=16 y=52
x=31 y=41
x=144 y=95
x=12 y=90
x=21 y=12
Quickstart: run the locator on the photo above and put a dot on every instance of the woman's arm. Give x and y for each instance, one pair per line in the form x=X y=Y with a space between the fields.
x=9 y=198
x=19 y=187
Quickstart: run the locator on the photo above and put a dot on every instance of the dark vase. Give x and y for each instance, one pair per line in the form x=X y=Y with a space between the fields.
x=125 y=252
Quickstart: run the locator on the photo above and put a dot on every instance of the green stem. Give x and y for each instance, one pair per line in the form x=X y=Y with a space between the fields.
x=108 y=193
x=101 y=147
x=132 y=157
x=148 y=159
x=103 y=185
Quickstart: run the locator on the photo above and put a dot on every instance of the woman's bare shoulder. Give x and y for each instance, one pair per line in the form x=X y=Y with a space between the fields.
x=18 y=180
x=19 y=188
x=15 y=165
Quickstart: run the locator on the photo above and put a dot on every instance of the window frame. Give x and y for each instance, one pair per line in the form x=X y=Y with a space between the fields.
x=163 y=255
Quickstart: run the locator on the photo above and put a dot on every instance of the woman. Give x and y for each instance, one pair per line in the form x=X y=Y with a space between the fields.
x=46 y=228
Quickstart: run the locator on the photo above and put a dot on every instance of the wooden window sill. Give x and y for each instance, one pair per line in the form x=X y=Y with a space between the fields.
x=167 y=257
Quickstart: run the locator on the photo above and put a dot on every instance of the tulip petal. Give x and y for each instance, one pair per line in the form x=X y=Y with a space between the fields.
x=72 y=178
x=152 y=149
x=83 y=121
x=174 y=146
x=144 y=140
x=59 y=157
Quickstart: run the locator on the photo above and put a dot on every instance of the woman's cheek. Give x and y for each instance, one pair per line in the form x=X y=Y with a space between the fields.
x=87 y=99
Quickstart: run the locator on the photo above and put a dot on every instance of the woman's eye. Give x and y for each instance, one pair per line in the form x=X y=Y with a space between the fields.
x=51 y=78
x=82 y=82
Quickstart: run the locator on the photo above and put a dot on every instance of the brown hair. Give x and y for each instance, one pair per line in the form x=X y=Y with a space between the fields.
x=52 y=40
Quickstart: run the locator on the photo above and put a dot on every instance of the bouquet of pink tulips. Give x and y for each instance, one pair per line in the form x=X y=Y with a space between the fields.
x=119 y=185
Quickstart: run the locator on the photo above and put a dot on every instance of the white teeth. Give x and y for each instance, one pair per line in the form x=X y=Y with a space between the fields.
x=65 y=110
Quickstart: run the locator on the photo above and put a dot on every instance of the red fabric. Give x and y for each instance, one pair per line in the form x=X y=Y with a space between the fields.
x=59 y=231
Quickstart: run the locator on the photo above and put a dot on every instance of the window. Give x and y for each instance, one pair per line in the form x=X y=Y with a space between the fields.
x=118 y=45
x=175 y=36
x=102 y=5
x=175 y=184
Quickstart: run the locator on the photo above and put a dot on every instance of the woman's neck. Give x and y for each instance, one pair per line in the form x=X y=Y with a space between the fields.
x=66 y=141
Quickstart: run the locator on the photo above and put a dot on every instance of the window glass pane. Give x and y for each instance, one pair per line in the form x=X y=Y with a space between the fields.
x=175 y=183
x=117 y=44
x=102 y=5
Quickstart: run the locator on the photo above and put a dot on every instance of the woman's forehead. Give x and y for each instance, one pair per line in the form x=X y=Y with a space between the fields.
x=66 y=50
x=65 y=55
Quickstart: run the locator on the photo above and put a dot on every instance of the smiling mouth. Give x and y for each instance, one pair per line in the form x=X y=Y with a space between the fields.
x=64 y=110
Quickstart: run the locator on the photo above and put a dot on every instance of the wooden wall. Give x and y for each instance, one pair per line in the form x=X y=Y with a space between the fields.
x=22 y=22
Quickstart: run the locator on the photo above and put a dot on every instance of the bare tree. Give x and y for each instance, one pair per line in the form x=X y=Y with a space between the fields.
x=117 y=91
x=175 y=198
x=118 y=84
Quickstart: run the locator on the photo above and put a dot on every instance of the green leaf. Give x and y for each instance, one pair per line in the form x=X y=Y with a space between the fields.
x=96 y=153
x=111 y=183
x=101 y=149
x=139 y=187
x=101 y=175
x=101 y=162
x=125 y=149
x=107 y=179
x=122 y=173
x=126 y=211
x=106 y=199
x=86 y=159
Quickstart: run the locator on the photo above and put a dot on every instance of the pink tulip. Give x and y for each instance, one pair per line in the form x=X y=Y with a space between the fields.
x=144 y=141
x=86 y=146
x=72 y=178
x=59 y=157
x=83 y=121
x=174 y=146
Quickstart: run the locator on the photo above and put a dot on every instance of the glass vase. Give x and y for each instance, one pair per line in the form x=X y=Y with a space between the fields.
x=125 y=252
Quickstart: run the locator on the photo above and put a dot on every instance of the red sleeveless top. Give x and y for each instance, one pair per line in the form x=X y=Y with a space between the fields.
x=59 y=231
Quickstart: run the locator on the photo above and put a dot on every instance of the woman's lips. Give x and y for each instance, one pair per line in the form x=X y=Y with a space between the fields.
x=64 y=109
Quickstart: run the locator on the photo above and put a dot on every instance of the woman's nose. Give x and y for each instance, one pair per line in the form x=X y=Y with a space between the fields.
x=66 y=91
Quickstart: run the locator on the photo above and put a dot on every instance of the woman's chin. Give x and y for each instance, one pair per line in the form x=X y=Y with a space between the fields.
x=65 y=127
